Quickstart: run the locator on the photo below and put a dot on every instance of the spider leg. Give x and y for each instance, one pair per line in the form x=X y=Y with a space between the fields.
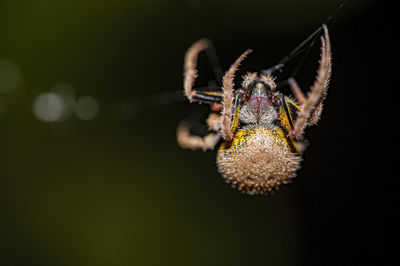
x=227 y=101
x=190 y=72
x=188 y=141
x=297 y=92
x=294 y=86
x=288 y=110
x=316 y=114
x=311 y=108
x=209 y=97
x=214 y=121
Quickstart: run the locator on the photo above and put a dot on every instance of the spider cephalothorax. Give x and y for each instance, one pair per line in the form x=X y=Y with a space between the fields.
x=257 y=101
x=262 y=129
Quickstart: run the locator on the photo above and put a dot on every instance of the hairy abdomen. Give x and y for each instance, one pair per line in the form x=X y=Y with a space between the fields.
x=258 y=160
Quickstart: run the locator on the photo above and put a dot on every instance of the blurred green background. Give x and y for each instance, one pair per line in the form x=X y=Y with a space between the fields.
x=89 y=177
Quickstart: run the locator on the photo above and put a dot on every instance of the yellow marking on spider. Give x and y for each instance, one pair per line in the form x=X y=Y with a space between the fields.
x=284 y=119
x=288 y=113
x=242 y=136
x=290 y=103
x=210 y=93
x=213 y=93
x=235 y=122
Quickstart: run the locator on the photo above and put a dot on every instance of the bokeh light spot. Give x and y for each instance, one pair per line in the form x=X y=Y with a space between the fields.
x=49 y=107
x=87 y=108
x=68 y=95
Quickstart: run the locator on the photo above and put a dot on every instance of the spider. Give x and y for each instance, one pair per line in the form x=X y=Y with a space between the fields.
x=261 y=129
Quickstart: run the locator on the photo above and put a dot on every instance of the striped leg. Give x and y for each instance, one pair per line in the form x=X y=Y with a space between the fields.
x=190 y=73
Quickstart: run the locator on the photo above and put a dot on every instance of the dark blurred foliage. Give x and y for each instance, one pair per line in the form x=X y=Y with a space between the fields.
x=108 y=185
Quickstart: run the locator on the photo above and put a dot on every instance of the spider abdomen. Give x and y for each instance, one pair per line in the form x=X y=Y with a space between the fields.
x=259 y=159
